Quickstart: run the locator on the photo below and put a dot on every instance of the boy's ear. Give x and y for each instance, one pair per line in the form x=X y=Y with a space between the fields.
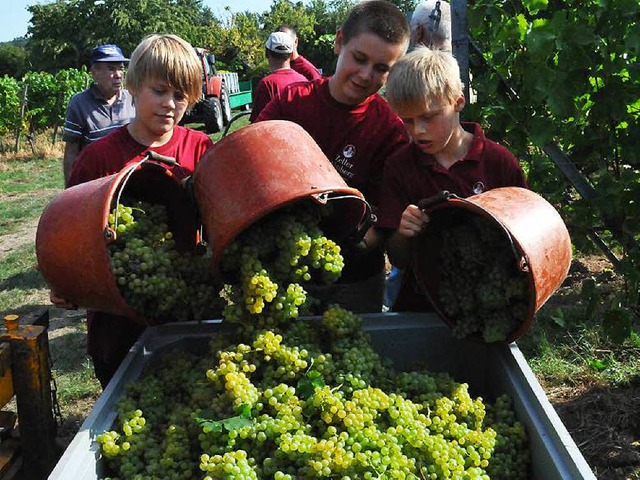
x=337 y=43
x=459 y=104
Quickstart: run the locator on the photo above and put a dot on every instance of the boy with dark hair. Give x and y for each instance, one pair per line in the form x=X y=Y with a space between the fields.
x=425 y=89
x=298 y=62
x=278 y=49
x=164 y=78
x=352 y=124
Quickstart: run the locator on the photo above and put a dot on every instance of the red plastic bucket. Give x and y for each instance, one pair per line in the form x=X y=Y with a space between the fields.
x=540 y=243
x=263 y=167
x=73 y=234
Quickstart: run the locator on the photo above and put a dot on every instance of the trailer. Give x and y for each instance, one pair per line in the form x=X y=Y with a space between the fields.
x=221 y=92
x=404 y=338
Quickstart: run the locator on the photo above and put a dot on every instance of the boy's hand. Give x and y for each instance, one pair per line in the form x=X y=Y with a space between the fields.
x=412 y=222
x=61 y=302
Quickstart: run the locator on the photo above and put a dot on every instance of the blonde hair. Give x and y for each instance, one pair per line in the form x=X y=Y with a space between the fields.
x=424 y=75
x=168 y=58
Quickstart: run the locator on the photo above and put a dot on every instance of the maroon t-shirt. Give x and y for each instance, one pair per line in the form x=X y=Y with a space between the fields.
x=109 y=337
x=306 y=68
x=270 y=87
x=357 y=139
x=111 y=154
x=412 y=175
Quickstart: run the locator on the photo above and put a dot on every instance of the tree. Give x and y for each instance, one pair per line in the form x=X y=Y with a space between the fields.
x=243 y=45
x=63 y=33
x=329 y=15
x=13 y=60
x=293 y=14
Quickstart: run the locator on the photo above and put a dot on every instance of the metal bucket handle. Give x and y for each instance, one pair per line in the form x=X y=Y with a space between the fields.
x=369 y=218
x=444 y=195
x=110 y=234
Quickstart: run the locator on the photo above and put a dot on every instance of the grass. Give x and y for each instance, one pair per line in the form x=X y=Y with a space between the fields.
x=578 y=350
x=75 y=379
x=21 y=283
x=21 y=176
x=27 y=183
x=239 y=120
x=27 y=187
x=567 y=347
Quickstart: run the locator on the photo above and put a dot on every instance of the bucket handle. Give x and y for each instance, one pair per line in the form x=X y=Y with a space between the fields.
x=369 y=218
x=444 y=195
x=110 y=234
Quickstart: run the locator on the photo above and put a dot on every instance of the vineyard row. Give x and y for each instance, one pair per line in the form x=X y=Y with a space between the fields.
x=37 y=102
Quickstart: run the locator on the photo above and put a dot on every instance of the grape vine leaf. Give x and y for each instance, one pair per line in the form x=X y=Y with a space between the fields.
x=228 y=424
x=308 y=384
x=534 y=6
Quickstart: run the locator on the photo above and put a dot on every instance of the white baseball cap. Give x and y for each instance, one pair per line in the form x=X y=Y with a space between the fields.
x=280 y=42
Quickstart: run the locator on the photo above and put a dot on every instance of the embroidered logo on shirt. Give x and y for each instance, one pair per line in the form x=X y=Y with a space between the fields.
x=342 y=163
x=349 y=151
x=478 y=187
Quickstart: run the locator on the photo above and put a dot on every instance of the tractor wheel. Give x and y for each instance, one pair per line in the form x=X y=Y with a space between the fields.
x=212 y=113
x=226 y=106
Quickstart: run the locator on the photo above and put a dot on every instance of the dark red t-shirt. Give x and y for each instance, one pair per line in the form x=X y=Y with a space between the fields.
x=109 y=337
x=412 y=175
x=270 y=87
x=357 y=139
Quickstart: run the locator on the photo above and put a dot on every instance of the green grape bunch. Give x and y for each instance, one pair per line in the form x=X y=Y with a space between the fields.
x=264 y=406
x=154 y=277
x=268 y=264
x=480 y=287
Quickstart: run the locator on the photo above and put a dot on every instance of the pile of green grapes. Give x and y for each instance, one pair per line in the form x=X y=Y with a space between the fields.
x=266 y=266
x=313 y=400
x=155 y=278
x=480 y=287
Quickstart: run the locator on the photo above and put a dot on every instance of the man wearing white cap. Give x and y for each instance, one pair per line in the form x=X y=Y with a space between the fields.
x=101 y=108
x=299 y=63
x=279 y=47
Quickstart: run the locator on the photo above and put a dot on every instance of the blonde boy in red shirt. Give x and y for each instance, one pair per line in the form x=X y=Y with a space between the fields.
x=425 y=90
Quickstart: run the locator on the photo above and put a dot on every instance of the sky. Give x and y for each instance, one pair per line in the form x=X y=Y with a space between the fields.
x=14 y=17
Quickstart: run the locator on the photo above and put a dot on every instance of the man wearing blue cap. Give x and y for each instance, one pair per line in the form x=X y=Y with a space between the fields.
x=101 y=108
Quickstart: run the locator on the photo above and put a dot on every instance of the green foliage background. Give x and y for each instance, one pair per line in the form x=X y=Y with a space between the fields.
x=566 y=73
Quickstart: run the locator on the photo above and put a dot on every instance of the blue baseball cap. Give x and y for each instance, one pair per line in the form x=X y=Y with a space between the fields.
x=107 y=53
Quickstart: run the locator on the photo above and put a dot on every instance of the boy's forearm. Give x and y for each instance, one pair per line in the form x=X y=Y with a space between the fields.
x=399 y=250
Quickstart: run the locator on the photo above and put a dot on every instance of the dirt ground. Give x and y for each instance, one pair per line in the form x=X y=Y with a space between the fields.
x=604 y=423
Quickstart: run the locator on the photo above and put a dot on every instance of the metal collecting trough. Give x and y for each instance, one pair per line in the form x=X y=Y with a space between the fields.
x=405 y=338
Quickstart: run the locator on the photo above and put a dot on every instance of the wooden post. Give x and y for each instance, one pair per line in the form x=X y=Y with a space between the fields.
x=23 y=105
x=32 y=386
x=460 y=40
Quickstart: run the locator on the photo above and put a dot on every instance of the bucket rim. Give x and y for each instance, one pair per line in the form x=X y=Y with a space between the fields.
x=108 y=190
x=345 y=192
